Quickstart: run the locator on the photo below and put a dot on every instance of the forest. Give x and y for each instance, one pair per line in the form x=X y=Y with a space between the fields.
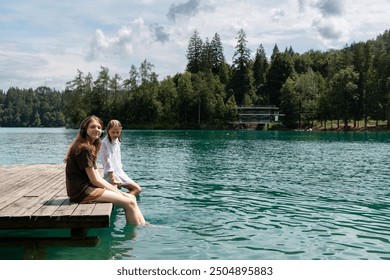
x=350 y=85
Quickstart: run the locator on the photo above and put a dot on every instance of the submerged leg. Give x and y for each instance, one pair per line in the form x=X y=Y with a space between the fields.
x=129 y=204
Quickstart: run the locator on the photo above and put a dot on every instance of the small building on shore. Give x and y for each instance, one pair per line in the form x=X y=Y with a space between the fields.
x=256 y=117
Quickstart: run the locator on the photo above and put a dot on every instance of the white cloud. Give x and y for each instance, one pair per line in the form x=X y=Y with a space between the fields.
x=44 y=41
x=277 y=14
x=331 y=30
x=25 y=69
x=103 y=45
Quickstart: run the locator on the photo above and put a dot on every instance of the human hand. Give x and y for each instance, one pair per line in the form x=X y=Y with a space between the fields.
x=113 y=182
x=116 y=183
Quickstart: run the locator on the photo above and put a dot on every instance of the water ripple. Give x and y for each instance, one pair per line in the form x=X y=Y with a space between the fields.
x=247 y=195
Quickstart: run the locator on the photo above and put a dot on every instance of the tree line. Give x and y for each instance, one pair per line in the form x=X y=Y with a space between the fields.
x=351 y=84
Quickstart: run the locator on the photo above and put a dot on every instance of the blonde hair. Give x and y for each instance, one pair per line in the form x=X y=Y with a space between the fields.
x=112 y=124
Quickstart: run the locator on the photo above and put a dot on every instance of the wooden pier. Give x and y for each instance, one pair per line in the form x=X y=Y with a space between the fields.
x=34 y=197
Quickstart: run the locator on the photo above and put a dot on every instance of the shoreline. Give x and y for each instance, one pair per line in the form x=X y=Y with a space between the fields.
x=335 y=128
x=370 y=128
x=276 y=127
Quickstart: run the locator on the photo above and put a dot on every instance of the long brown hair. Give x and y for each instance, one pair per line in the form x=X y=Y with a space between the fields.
x=82 y=140
x=111 y=124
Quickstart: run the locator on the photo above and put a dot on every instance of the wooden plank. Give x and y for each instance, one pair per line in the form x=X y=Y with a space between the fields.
x=43 y=179
x=10 y=174
x=48 y=207
x=28 y=204
x=62 y=192
x=48 y=202
x=47 y=182
x=102 y=209
x=84 y=209
x=40 y=200
x=25 y=184
x=20 y=206
x=65 y=209
x=20 y=178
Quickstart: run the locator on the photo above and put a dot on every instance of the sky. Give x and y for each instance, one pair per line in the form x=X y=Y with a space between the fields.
x=46 y=42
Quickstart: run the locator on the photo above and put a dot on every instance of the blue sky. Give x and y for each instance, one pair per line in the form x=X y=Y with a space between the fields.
x=45 y=42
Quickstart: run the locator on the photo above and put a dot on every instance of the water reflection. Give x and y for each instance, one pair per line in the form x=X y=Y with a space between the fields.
x=247 y=195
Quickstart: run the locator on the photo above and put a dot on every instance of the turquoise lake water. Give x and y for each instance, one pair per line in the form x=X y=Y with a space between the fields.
x=244 y=195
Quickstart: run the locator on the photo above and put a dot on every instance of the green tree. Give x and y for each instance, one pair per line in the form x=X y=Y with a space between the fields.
x=318 y=61
x=202 y=93
x=50 y=105
x=87 y=89
x=130 y=88
x=206 y=57
x=101 y=94
x=309 y=88
x=28 y=107
x=242 y=77
x=361 y=63
x=290 y=103
x=343 y=89
x=260 y=67
x=280 y=69
x=132 y=82
x=231 y=112
x=381 y=72
x=75 y=109
x=115 y=97
x=168 y=98
x=143 y=107
x=194 y=53
x=187 y=105
x=217 y=55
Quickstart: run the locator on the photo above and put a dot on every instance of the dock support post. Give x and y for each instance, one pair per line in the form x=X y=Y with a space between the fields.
x=78 y=233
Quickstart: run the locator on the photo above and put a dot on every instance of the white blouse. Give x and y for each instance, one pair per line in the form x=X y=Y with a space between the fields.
x=110 y=155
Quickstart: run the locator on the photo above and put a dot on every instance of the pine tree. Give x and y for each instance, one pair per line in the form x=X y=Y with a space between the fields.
x=280 y=69
x=242 y=80
x=218 y=58
x=260 y=67
x=194 y=53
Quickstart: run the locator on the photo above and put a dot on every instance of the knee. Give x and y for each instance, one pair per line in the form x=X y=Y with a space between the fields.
x=132 y=201
x=136 y=189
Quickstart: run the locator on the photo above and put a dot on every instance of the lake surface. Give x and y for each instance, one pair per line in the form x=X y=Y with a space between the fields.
x=244 y=195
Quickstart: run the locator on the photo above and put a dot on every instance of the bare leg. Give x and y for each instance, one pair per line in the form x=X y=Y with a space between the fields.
x=129 y=204
x=133 y=188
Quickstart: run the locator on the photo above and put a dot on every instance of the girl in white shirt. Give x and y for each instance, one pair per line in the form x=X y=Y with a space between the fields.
x=110 y=154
